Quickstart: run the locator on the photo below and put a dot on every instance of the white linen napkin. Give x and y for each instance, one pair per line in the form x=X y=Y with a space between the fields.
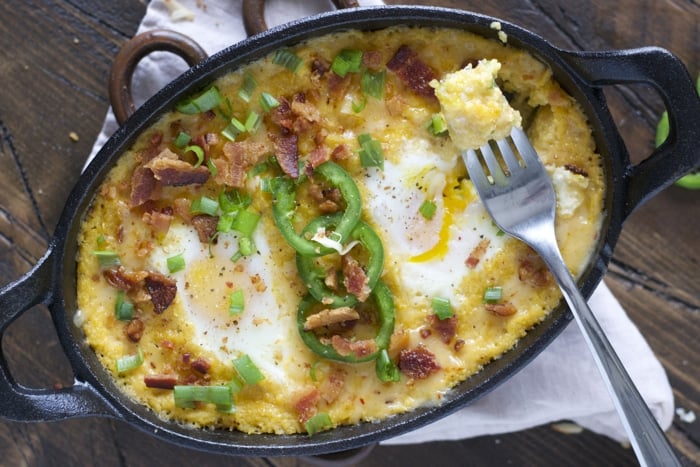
x=562 y=383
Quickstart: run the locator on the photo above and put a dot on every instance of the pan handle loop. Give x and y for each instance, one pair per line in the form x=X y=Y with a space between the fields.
x=254 y=14
x=24 y=404
x=133 y=51
x=667 y=74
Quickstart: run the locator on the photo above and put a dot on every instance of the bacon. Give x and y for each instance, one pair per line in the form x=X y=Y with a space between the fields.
x=532 y=270
x=205 y=225
x=575 y=169
x=305 y=406
x=122 y=279
x=282 y=115
x=328 y=199
x=319 y=67
x=201 y=365
x=359 y=349
x=176 y=172
x=159 y=220
x=341 y=152
x=330 y=316
x=206 y=141
x=372 y=59
x=355 y=281
x=160 y=381
x=318 y=156
x=286 y=148
x=501 y=309
x=414 y=72
x=331 y=388
x=134 y=329
x=446 y=328
x=162 y=291
x=144 y=186
x=477 y=253
x=305 y=114
x=337 y=86
x=239 y=157
x=418 y=363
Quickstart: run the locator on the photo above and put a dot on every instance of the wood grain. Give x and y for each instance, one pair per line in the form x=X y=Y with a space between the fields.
x=54 y=63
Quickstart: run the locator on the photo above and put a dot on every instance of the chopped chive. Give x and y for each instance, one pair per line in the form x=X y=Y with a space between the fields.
x=208 y=100
x=493 y=294
x=129 y=362
x=182 y=139
x=427 y=209
x=287 y=59
x=221 y=396
x=442 y=307
x=204 y=205
x=437 y=125
x=107 y=258
x=373 y=83
x=371 y=154
x=268 y=102
x=249 y=85
x=387 y=371
x=123 y=309
x=247 y=370
x=347 y=61
x=176 y=263
x=319 y=422
x=198 y=151
x=236 y=302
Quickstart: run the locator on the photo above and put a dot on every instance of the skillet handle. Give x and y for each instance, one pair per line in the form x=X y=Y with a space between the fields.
x=665 y=72
x=19 y=403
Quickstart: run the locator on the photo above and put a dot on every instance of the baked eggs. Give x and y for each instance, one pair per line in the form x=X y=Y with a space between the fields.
x=298 y=246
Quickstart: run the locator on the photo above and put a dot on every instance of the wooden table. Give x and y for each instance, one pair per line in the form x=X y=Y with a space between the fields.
x=54 y=62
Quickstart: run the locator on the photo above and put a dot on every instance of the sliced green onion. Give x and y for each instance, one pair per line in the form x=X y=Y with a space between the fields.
x=246 y=246
x=287 y=59
x=268 y=102
x=236 y=384
x=371 y=153
x=358 y=107
x=233 y=200
x=123 y=309
x=107 y=258
x=442 y=307
x=247 y=370
x=101 y=240
x=428 y=209
x=347 y=61
x=221 y=396
x=182 y=139
x=204 y=205
x=373 y=83
x=260 y=167
x=212 y=168
x=246 y=221
x=225 y=222
x=437 y=125
x=233 y=129
x=387 y=370
x=176 y=263
x=319 y=422
x=493 y=294
x=252 y=122
x=249 y=85
x=209 y=99
x=198 y=151
x=129 y=362
x=236 y=302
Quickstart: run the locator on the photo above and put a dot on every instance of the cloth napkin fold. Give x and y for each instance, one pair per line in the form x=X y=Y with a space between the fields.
x=562 y=383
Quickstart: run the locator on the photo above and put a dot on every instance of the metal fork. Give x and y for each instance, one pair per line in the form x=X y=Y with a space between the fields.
x=521 y=201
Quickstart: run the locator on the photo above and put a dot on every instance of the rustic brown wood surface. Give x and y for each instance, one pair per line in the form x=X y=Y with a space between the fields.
x=54 y=63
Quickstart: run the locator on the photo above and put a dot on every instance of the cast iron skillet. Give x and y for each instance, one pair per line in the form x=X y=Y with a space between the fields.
x=53 y=280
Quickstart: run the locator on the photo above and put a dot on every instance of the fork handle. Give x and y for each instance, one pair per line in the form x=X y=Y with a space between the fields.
x=647 y=439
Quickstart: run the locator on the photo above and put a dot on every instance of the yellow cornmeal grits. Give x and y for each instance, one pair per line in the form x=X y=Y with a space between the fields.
x=454 y=253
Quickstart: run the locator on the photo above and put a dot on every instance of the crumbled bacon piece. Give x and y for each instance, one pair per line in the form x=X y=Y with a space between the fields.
x=337 y=86
x=160 y=381
x=158 y=220
x=533 y=270
x=318 y=156
x=359 y=349
x=305 y=406
x=477 y=253
x=162 y=291
x=446 y=328
x=122 y=279
x=205 y=225
x=372 y=59
x=331 y=388
x=319 y=67
x=282 y=115
x=501 y=309
x=330 y=316
x=201 y=365
x=175 y=172
x=328 y=199
x=413 y=71
x=134 y=329
x=418 y=363
x=239 y=157
x=341 y=152
x=305 y=114
x=286 y=149
x=575 y=169
x=206 y=141
x=355 y=281
x=144 y=186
